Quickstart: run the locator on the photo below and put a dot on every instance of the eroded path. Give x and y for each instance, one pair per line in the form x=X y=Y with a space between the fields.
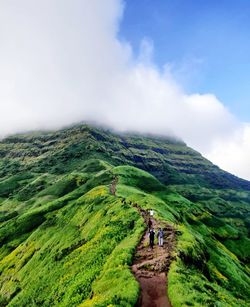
x=113 y=185
x=150 y=267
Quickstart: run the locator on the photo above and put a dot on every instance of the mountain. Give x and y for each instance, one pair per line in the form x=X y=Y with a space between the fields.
x=67 y=239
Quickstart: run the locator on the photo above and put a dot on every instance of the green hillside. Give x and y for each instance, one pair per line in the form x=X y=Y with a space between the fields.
x=66 y=240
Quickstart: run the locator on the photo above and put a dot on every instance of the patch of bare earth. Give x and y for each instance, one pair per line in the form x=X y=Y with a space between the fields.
x=113 y=185
x=150 y=266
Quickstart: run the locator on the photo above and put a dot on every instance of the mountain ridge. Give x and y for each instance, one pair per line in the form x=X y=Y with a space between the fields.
x=132 y=144
x=67 y=240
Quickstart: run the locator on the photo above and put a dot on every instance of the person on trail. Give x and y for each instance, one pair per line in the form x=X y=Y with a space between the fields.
x=149 y=224
x=160 y=237
x=151 y=238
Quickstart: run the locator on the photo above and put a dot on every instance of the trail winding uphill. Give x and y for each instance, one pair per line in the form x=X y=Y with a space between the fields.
x=150 y=267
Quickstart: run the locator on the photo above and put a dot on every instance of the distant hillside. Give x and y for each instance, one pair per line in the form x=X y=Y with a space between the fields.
x=66 y=240
x=58 y=152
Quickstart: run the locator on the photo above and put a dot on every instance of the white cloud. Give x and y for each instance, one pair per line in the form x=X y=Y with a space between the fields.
x=61 y=62
x=232 y=154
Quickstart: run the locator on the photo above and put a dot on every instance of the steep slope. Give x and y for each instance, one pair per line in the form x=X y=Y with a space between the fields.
x=170 y=160
x=66 y=239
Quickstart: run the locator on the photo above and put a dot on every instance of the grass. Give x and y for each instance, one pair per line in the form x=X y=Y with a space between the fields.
x=66 y=241
x=70 y=249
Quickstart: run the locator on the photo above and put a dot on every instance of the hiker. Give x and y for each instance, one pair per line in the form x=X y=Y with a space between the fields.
x=160 y=237
x=151 y=238
x=149 y=224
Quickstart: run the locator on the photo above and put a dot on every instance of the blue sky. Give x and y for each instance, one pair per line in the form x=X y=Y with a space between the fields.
x=207 y=44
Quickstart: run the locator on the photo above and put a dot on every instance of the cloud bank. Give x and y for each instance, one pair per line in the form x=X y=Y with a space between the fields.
x=62 y=62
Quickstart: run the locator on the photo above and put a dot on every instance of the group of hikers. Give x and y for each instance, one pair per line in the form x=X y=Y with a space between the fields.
x=160 y=233
x=151 y=233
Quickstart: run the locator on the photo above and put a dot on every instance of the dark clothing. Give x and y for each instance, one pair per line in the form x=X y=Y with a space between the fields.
x=149 y=224
x=151 y=238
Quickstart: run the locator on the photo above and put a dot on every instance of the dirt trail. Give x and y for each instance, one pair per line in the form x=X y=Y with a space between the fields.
x=113 y=185
x=151 y=266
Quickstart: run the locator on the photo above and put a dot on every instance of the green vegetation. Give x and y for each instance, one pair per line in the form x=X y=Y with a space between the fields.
x=66 y=241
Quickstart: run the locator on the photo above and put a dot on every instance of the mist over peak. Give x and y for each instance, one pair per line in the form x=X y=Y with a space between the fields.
x=68 y=65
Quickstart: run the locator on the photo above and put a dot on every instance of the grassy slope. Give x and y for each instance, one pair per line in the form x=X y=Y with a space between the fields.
x=61 y=152
x=204 y=272
x=65 y=240
x=54 y=259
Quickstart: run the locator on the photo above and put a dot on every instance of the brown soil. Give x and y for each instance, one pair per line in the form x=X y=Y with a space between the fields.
x=150 y=266
x=113 y=185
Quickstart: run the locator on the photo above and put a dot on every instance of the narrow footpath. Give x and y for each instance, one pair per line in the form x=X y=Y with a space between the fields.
x=112 y=187
x=150 y=266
